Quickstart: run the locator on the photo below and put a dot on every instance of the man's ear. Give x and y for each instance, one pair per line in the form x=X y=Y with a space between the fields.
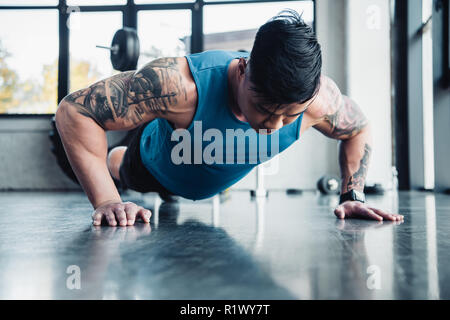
x=243 y=64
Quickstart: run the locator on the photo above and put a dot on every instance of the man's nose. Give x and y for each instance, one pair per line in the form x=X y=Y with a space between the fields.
x=274 y=124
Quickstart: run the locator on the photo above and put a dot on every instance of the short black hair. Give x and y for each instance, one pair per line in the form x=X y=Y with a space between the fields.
x=286 y=60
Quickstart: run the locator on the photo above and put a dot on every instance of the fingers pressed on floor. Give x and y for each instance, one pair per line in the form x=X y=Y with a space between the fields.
x=110 y=218
x=121 y=216
x=131 y=211
x=144 y=214
x=389 y=216
x=97 y=218
x=339 y=212
x=370 y=214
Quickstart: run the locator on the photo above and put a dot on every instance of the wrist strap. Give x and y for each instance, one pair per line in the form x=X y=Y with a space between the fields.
x=352 y=195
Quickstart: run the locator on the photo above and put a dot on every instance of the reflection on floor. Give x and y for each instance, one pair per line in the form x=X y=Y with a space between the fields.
x=284 y=247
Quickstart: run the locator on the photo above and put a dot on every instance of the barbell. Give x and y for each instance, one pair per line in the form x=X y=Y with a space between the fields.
x=125 y=49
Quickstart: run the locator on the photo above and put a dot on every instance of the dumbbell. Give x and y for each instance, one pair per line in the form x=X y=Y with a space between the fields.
x=329 y=184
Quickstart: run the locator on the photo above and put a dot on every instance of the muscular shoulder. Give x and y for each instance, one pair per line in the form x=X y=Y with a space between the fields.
x=334 y=114
x=325 y=103
x=328 y=98
x=166 y=86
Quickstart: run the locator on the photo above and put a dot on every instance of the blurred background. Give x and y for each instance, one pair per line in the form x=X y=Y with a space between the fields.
x=390 y=56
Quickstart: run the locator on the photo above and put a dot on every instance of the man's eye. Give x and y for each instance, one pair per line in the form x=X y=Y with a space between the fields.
x=258 y=109
x=261 y=109
x=295 y=115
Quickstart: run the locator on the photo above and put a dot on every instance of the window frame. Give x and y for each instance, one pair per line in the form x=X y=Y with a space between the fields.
x=129 y=19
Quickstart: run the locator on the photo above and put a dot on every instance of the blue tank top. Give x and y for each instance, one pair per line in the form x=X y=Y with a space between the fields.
x=214 y=124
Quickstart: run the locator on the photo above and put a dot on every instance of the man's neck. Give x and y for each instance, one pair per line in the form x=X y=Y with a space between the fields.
x=232 y=92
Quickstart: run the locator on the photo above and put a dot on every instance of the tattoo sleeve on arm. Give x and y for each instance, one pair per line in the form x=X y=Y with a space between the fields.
x=129 y=98
x=356 y=180
x=344 y=118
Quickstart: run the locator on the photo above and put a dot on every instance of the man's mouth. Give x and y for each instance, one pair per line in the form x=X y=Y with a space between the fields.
x=264 y=130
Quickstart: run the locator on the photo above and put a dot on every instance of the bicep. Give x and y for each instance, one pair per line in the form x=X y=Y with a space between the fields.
x=129 y=99
x=337 y=116
x=105 y=102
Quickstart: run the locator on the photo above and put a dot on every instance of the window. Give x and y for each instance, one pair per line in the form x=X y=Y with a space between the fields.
x=89 y=64
x=95 y=2
x=161 y=1
x=238 y=33
x=28 y=3
x=162 y=33
x=28 y=61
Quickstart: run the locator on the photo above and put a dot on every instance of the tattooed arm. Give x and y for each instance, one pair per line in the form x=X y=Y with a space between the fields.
x=339 y=117
x=121 y=102
x=126 y=100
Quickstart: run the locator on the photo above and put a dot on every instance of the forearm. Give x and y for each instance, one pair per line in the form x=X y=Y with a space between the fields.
x=354 y=159
x=86 y=148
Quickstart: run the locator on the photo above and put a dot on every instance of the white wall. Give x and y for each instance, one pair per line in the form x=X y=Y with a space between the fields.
x=369 y=77
x=25 y=157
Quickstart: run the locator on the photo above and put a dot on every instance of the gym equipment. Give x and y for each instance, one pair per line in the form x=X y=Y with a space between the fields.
x=213 y=202
x=329 y=184
x=166 y=197
x=375 y=189
x=294 y=192
x=125 y=49
x=260 y=190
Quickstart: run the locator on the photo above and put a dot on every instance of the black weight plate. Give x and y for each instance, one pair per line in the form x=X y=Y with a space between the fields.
x=294 y=192
x=325 y=188
x=127 y=54
x=133 y=50
x=118 y=56
x=375 y=189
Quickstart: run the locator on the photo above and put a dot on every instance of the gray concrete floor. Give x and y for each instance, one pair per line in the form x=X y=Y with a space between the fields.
x=285 y=247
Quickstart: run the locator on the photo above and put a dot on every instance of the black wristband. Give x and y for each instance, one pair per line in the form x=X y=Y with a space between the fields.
x=352 y=195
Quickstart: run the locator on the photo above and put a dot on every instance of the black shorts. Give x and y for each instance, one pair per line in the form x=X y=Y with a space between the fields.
x=133 y=174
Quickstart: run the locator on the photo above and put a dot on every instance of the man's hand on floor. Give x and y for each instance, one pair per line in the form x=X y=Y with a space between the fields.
x=359 y=210
x=120 y=213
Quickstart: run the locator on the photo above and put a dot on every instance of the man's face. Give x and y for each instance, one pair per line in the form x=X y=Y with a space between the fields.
x=259 y=115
